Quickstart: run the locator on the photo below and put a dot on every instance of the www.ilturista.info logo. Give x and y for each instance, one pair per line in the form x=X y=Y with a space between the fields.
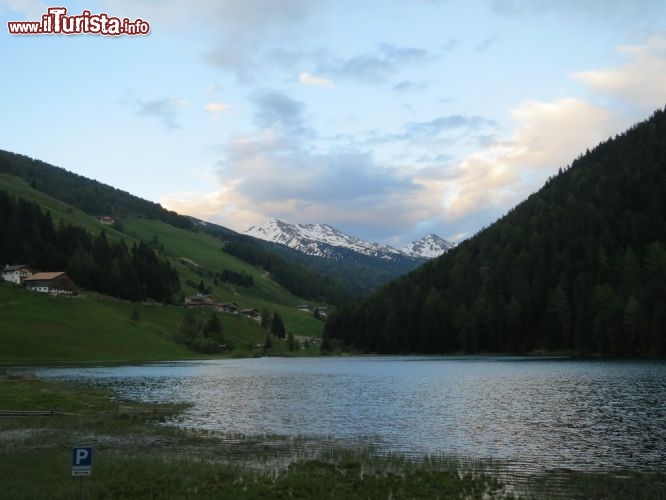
x=57 y=22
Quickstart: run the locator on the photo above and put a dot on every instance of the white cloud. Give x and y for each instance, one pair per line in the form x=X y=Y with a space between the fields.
x=216 y=109
x=548 y=135
x=640 y=81
x=309 y=79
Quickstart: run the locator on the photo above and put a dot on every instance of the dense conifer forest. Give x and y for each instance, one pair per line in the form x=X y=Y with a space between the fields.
x=29 y=236
x=578 y=266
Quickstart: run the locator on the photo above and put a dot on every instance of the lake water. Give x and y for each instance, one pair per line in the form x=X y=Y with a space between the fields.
x=536 y=413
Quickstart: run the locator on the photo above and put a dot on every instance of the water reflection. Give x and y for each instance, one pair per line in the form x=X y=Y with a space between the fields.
x=571 y=414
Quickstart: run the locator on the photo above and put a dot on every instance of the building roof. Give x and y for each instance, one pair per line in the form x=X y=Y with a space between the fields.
x=9 y=269
x=45 y=276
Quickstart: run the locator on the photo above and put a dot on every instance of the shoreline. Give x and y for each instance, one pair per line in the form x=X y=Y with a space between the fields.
x=129 y=436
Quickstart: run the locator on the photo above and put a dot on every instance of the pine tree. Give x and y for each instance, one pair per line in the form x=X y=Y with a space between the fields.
x=277 y=326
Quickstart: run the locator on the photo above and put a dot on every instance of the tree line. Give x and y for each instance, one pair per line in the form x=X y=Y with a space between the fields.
x=240 y=278
x=579 y=266
x=29 y=236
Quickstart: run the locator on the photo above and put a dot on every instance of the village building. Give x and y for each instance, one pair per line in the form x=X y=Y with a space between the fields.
x=15 y=274
x=56 y=283
x=254 y=314
x=105 y=219
x=200 y=301
x=227 y=307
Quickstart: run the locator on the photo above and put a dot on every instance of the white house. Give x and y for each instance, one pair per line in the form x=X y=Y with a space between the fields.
x=15 y=274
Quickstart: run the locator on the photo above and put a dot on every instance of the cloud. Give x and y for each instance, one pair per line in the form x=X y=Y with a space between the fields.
x=216 y=109
x=451 y=44
x=272 y=173
x=275 y=109
x=237 y=33
x=410 y=86
x=345 y=188
x=376 y=67
x=548 y=135
x=590 y=9
x=486 y=43
x=447 y=123
x=317 y=81
x=166 y=110
x=639 y=82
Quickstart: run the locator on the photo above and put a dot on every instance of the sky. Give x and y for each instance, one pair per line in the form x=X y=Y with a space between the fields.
x=388 y=119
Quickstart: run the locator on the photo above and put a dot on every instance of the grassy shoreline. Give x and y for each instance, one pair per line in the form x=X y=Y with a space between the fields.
x=136 y=457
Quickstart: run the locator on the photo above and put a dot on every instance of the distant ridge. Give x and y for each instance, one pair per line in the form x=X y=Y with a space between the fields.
x=323 y=240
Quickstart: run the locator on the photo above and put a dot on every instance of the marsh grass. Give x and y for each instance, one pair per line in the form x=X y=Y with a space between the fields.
x=134 y=457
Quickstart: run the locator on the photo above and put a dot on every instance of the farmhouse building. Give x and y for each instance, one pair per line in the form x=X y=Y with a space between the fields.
x=105 y=219
x=200 y=301
x=15 y=274
x=57 y=283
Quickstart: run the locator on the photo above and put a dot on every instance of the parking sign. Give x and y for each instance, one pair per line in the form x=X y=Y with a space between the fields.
x=81 y=460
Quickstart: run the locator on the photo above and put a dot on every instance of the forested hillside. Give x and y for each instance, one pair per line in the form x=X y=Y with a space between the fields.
x=28 y=235
x=87 y=195
x=578 y=266
x=360 y=274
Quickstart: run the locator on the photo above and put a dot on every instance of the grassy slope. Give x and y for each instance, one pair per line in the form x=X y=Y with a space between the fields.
x=202 y=249
x=59 y=211
x=36 y=327
x=204 y=252
x=39 y=328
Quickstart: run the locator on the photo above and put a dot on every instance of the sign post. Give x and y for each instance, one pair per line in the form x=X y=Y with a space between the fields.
x=81 y=464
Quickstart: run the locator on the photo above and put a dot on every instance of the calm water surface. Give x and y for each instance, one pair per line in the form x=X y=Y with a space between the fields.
x=539 y=413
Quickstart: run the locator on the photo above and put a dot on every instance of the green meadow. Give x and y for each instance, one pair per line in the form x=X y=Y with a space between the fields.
x=37 y=328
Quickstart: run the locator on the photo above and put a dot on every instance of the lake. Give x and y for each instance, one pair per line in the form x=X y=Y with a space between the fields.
x=539 y=414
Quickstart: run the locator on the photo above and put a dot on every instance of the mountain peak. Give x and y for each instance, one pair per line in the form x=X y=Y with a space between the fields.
x=429 y=247
x=317 y=239
x=322 y=239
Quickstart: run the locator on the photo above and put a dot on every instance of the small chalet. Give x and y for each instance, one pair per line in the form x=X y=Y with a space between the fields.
x=15 y=274
x=105 y=219
x=227 y=307
x=304 y=308
x=57 y=283
x=254 y=314
x=200 y=301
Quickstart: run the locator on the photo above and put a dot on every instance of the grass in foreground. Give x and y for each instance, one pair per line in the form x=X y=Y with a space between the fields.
x=135 y=458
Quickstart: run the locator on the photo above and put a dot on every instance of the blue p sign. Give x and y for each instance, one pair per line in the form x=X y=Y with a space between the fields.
x=81 y=460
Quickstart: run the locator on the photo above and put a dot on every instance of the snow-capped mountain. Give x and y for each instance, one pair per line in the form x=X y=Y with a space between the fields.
x=429 y=247
x=319 y=239
x=322 y=240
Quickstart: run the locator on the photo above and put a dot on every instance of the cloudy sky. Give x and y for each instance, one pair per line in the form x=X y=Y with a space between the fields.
x=388 y=119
